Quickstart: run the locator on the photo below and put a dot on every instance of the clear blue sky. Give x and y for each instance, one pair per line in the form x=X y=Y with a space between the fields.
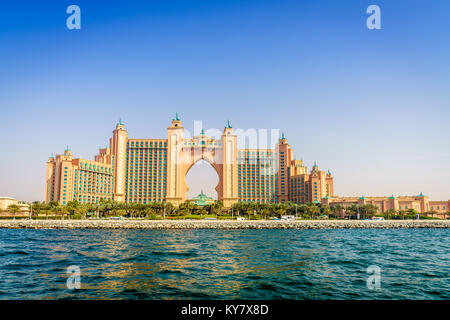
x=373 y=106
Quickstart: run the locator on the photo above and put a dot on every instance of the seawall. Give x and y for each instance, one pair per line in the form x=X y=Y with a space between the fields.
x=221 y=224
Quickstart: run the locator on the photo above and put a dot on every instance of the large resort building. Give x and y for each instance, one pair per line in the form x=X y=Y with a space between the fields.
x=147 y=170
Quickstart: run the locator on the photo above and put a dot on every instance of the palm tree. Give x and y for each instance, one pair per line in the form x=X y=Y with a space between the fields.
x=52 y=207
x=337 y=210
x=91 y=208
x=314 y=210
x=390 y=212
x=368 y=210
x=325 y=210
x=402 y=213
x=83 y=209
x=13 y=208
x=433 y=213
x=412 y=212
x=216 y=207
x=352 y=210
x=72 y=207
x=63 y=211
x=265 y=210
x=37 y=207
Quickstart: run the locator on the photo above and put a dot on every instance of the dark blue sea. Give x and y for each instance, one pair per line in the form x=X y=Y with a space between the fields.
x=226 y=264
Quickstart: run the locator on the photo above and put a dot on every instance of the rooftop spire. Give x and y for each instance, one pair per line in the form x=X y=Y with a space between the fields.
x=176 y=117
x=228 y=126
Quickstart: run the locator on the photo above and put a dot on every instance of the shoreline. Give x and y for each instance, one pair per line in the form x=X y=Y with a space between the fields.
x=222 y=224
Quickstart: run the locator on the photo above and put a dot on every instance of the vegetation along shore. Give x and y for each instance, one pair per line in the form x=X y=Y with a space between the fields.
x=220 y=224
x=189 y=210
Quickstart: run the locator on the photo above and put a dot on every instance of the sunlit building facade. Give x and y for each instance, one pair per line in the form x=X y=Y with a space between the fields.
x=420 y=203
x=147 y=170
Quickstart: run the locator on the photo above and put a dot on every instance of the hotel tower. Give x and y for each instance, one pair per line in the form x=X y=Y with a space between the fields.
x=147 y=170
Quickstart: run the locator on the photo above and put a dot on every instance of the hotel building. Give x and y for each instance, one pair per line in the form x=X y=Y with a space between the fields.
x=419 y=203
x=146 y=170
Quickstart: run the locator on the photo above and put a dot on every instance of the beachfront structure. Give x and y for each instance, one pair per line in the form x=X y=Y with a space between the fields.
x=202 y=200
x=5 y=202
x=420 y=203
x=146 y=170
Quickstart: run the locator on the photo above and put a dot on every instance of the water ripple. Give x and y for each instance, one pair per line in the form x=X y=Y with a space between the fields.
x=225 y=264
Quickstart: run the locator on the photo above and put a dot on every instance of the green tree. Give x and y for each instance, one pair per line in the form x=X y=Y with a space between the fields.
x=432 y=212
x=337 y=209
x=14 y=209
x=368 y=210
x=36 y=207
x=412 y=213
x=352 y=210
x=325 y=210
x=216 y=207
x=314 y=210
x=390 y=213
x=72 y=208
x=52 y=207
x=63 y=210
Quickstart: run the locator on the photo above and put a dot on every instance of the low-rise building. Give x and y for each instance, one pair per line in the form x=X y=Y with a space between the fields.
x=5 y=202
x=419 y=203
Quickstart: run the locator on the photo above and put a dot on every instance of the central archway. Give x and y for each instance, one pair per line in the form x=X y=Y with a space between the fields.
x=201 y=177
x=183 y=153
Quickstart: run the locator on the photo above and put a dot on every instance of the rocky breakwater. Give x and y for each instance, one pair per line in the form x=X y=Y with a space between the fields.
x=221 y=224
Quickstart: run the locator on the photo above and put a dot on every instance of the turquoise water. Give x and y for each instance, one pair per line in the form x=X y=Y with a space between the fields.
x=225 y=264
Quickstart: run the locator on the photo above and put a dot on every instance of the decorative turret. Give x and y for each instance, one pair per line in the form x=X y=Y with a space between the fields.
x=51 y=158
x=120 y=125
x=283 y=139
x=176 y=122
x=67 y=154
x=228 y=128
